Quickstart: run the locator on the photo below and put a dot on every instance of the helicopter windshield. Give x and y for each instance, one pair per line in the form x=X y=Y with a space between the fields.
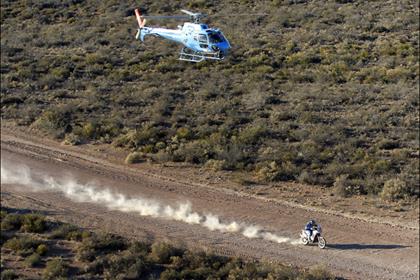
x=216 y=37
x=202 y=38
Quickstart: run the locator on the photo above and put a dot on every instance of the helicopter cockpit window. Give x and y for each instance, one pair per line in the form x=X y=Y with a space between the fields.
x=202 y=38
x=216 y=37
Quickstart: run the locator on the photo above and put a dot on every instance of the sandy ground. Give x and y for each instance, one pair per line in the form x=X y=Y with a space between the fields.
x=357 y=248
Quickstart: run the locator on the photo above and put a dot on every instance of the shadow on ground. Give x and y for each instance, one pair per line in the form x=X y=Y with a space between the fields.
x=365 y=246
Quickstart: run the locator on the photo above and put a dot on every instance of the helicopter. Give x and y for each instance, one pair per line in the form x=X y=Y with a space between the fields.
x=200 y=42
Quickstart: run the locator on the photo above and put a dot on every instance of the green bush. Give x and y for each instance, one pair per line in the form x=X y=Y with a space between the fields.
x=33 y=223
x=73 y=139
x=8 y=274
x=342 y=186
x=100 y=244
x=11 y=222
x=268 y=171
x=68 y=232
x=318 y=273
x=42 y=249
x=55 y=122
x=55 y=268
x=394 y=190
x=126 y=267
x=134 y=157
x=33 y=260
x=183 y=133
x=3 y=214
x=22 y=243
x=252 y=134
x=139 y=248
x=96 y=266
x=216 y=165
x=170 y=274
x=162 y=252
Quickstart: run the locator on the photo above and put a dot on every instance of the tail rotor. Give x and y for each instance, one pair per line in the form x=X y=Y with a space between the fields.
x=140 y=20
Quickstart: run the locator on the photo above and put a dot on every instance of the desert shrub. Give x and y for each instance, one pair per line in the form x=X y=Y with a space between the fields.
x=8 y=274
x=387 y=144
x=233 y=156
x=134 y=157
x=23 y=243
x=248 y=271
x=395 y=189
x=90 y=130
x=100 y=244
x=49 y=81
x=342 y=186
x=139 y=248
x=162 y=252
x=33 y=260
x=55 y=268
x=170 y=274
x=197 y=273
x=68 y=232
x=73 y=139
x=11 y=222
x=252 y=134
x=272 y=171
x=267 y=171
x=193 y=152
x=3 y=214
x=216 y=165
x=183 y=133
x=137 y=138
x=85 y=253
x=318 y=273
x=42 y=249
x=126 y=267
x=33 y=223
x=55 y=122
x=160 y=145
x=96 y=266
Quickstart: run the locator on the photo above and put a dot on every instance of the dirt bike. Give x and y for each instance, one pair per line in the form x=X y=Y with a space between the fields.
x=317 y=238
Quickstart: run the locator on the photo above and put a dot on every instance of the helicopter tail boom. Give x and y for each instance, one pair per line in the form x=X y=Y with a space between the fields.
x=140 y=20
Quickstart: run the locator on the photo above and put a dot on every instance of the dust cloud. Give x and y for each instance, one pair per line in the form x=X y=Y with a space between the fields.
x=91 y=193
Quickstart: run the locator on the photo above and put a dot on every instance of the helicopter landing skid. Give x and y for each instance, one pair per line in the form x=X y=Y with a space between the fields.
x=187 y=54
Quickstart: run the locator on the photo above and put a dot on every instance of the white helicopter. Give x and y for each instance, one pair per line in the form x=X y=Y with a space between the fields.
x=199 y=41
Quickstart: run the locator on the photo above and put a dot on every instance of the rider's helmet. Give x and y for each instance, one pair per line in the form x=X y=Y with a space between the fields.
x=312 y=222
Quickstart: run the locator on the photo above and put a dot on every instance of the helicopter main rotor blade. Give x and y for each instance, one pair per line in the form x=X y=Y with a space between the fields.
x=238 y=15
x=193 y=14
x=167 y=17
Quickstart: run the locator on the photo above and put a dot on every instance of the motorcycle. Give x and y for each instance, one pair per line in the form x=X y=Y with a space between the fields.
x=316 y=233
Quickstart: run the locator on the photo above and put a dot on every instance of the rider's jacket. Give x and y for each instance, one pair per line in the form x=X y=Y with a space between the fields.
x=310 y=226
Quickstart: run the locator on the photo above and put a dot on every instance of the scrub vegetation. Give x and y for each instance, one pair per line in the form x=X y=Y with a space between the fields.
x=63 y=251
x=319 y=92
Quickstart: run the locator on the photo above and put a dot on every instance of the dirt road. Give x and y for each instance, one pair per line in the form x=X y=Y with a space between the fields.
x=357 y=249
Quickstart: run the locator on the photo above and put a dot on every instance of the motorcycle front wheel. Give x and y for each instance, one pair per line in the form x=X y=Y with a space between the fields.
x=305 y=240
x=321 y=242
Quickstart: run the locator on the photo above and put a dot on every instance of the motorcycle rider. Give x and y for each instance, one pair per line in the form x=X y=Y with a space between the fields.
x=310 y=227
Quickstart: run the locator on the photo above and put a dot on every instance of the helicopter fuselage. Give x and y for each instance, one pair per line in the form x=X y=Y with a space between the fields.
x=196 y=37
